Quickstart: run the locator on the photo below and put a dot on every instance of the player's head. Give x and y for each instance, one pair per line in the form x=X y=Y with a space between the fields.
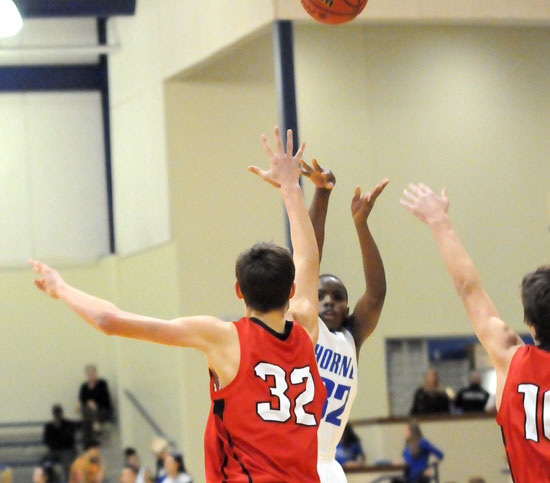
x=535 y=295
x=333 y=301
x=265 y=277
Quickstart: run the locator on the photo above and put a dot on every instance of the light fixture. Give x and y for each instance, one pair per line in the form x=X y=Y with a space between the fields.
x=10 y=19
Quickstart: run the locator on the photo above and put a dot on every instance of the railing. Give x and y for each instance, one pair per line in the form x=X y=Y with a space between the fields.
x=424 y=418
x=148 y=418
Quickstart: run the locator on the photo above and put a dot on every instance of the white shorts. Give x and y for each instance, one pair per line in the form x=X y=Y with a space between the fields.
x=330 y=471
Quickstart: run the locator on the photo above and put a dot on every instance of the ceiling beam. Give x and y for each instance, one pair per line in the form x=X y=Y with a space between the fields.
x=75 y=8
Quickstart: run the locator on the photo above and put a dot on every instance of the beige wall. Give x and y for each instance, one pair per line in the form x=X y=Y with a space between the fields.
x=45 y=347
x=218 y=208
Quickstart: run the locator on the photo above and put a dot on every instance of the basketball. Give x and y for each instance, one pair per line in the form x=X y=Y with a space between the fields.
x=334 y=11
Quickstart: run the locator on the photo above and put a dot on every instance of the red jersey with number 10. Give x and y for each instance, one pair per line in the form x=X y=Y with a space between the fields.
x=524 y=415
x=262 y=426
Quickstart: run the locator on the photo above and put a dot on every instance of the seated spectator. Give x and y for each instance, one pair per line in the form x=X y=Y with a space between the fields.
x=472 y=398
x=6 y=474
x=430 y=398
x=94 y=403
x=175 y=469
x=45 y=473
x=159 y=448
x=417 y=454
x=131 y=459
x=89 y=467
x=349 y=452
x=60 y=440
x=129 y=474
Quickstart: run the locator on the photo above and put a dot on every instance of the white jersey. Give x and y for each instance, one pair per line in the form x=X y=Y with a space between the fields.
x=337 y=361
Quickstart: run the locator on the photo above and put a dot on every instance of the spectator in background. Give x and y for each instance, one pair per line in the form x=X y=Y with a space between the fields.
x=417 y=454
x=131 y=459
x=89 y=467
x=349 y=452
x=431 y=397
x=129 y=474
x=94 y=403
x=472 y=398
x=175 y=469
x=6 y=474
x=159 y=448
x=60 y=440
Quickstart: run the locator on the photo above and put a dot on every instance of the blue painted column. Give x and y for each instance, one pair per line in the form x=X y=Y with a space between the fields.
x=283 y=50
x=106 y=111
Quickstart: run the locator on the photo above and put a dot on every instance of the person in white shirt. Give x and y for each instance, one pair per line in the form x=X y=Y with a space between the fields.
x=342 y=334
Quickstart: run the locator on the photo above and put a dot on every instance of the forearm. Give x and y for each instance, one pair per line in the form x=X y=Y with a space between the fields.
x=318 y=215
x=373 y=267
x=462 y=270
x=301 y=228
x=92 y=309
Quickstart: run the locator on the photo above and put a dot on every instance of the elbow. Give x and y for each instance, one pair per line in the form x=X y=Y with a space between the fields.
x=108 y=320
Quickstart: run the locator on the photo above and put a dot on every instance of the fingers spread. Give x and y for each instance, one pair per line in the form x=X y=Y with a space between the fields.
x=357 y=193
x=316 y=165
x=289 y=143
x=301 y=150
x=409 y=196
x=305 y=167
x=267 y=147
x=406 y=204
x=415 y=189
x=278 y=140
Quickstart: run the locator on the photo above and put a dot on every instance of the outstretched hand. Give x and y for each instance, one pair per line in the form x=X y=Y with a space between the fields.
x=322 y=178
x=422 y=202
x=361 y=206
x=50 y=280
x=285 y=168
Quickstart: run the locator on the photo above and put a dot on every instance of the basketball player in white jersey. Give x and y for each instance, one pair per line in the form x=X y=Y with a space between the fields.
x=341 y=334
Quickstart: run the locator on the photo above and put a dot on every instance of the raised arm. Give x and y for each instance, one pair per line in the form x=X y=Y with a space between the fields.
x=494 y=334
x=284 y=173
x=206 y=333
x=324 y=180
x=369 y=306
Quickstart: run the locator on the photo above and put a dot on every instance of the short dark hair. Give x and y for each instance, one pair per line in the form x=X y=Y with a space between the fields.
x=535 y=295
x=129 y=452
x=265 y=274
x=57 y=410
x=330 y=275
x=91 y=443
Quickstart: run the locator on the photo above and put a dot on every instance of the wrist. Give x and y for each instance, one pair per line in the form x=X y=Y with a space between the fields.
x=440 y=222
x=291 y=188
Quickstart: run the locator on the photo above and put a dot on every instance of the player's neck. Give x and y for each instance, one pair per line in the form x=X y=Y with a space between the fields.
x=274 y=319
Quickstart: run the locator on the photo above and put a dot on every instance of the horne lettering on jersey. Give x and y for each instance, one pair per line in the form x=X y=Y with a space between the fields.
x=332 y=361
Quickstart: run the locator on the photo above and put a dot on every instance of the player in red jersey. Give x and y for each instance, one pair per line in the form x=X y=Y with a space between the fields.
x=523 y=372
x=267 y=395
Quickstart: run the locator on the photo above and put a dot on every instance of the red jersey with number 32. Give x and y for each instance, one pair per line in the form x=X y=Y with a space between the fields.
x=262 y=426
x=524 y=415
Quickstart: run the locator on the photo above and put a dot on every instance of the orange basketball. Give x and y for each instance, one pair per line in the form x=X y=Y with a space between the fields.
x=334 y=11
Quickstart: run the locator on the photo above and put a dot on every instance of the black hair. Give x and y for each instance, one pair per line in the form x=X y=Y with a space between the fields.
x=129 y=452
x=535 y=296
x=91 y=443
x=330 y=275
x=265 y=274
x=178 y=458
x=349 y=436
x=57 y=410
